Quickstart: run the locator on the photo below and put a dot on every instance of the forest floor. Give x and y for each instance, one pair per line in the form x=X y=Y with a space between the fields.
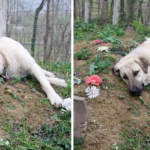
x=114 y=116
x=28 y=120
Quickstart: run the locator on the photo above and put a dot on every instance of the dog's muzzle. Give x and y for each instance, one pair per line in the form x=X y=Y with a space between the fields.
x=134 y=91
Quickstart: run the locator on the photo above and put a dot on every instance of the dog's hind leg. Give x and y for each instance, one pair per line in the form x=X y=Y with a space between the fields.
x=38 y=73
x=48 y=74
x=56 y=81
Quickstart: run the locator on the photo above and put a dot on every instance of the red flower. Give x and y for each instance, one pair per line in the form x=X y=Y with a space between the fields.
x=96 y=41
x=94 y=79
x=102 y=43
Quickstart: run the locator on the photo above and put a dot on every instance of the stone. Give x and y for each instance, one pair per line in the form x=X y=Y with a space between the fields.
x=80 y=117
x=130 y=32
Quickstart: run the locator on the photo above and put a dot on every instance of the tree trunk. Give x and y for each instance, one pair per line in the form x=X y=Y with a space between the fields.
x=99 y=4
x=148 y=15
x=35 y=26
x=3 y=17
x=140 y=14
x=86 y=11
x=52 y=31
x=116 y=12
x=46 y=37
x=83 y=9
x=75 y=9
x=91 y=9
x=102 y=12
x=131 y=11
x=79 y=8
x=111 y=9
x=122 y=12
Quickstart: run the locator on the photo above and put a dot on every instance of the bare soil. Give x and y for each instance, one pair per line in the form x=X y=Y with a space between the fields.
x=35 y=112
x=107 y=111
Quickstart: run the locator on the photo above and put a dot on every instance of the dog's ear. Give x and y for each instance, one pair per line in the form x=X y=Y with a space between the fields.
x=116 y=70
x=143 y=63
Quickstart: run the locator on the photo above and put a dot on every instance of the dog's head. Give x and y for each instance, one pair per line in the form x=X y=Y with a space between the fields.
x=134 y=72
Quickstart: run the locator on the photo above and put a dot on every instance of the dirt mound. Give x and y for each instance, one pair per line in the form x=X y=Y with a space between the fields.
x=19 y=101
x=109 y=110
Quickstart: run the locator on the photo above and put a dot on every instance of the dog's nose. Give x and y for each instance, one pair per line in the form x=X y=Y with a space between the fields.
x=143 y=85
x=135 y=92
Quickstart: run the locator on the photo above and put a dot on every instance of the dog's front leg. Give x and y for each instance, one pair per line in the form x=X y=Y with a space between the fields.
x=50 y=92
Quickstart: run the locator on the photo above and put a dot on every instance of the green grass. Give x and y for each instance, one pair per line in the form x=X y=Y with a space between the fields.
x=61 y=71
x=77 y=143
x=141 y=31
x=134 y=138
x=81 y=29
x=101 y=64
x=91 y=31
x=45 y=137
x=84 y=54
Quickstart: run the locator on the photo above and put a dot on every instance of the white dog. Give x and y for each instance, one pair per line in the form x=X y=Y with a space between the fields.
x=15 y=61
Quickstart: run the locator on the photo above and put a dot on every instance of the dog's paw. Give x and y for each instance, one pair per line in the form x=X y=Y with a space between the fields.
x=62 y=83
x=51 y=75
x=55 y=99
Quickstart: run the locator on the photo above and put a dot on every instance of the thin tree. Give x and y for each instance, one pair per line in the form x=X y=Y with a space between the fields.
x=116 y=12
x=3 y=17
x=52 y=30
x=46 y=37
x=140 y=14
x=90 y=9
x=148 y=15
x=122 y=10
x=86 y=11
x=99 y=4
x=75 y=9
x=111 y=9
x=131 y=10
x=83 y=9
x=102 y=12
x=35 y=26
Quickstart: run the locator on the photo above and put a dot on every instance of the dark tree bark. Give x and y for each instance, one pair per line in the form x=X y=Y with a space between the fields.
x=75 y=9
x=140 y=13
x=103 y=12
x=83 y=9
x=46 y=37
x=111 y=11
x=131 y=10
x=148 y=15
x=52 y=30
x=91 y=9
x=99 y=4
x=35 y=26
x=122 y=11
x=79 y=8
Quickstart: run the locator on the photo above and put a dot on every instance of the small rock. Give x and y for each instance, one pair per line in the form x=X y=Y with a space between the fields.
x=23 y=96
x=47 y=109
x=1 y=101
x=19 y=90
x=128 y=107
x=46 y=114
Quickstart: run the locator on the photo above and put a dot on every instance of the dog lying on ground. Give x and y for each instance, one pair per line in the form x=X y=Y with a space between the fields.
x=15 y=61
x=134 y=68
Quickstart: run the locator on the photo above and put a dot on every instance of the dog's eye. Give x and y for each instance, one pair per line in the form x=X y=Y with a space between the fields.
x=125 y=77
x=135 y=73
